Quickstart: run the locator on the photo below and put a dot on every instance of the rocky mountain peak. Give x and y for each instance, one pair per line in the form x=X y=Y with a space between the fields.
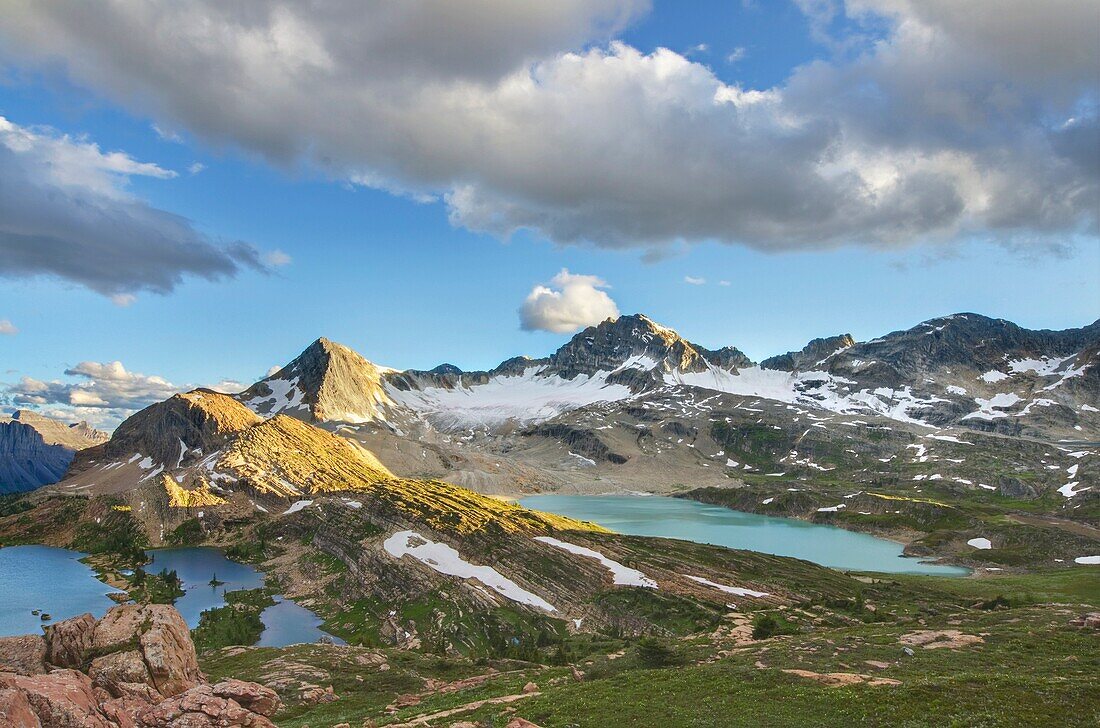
x=168 y=431
x=614 y=342
x=327 y=382
x=812 y=355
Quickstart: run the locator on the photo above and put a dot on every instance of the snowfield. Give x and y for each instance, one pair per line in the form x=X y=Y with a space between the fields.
x=445 y=560
x=980 y=543
x=623 y=575
x=531 y=397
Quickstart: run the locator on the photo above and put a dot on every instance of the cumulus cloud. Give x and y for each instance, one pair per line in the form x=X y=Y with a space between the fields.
x=65 y=212
x=571 y=302
x=7 y=328
x=927 y=121
x=693 y=281
x=103 y=393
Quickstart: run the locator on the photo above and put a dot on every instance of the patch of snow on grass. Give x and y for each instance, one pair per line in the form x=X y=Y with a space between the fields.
x=736 y=590
x=1087 y=560
x=297 y=506
x=980 y=543
x=832 y=509
x=1068 y=490
x=623 y=575
x=445 y=560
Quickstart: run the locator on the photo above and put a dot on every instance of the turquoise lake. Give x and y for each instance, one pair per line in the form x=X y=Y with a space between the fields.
x=53 y=580
x=691 y=521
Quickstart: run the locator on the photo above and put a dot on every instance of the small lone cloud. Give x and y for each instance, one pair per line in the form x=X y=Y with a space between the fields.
x=167 y=134
x=737 y=54
x=7 y=328
x=570 y=303
x=277 y=259
x=196 y=167
x=692 y=280
x=723 y=283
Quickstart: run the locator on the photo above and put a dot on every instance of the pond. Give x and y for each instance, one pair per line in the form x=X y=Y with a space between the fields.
x=692 y=521
x=55 y=581
x=48 y=579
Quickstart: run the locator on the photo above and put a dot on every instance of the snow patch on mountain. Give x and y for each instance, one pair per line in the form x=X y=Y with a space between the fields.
x=622 y=575
x=445 y=560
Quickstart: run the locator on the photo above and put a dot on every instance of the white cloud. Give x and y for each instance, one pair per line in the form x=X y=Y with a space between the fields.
x=103 y=393
x=122 y=300
x=692 y=280
x=196 y=167
x=723 y=283
x=571 y=303
x=7 y=328
x=66 y=212
x=931 y=123
x=277 y=259
x=737 y=54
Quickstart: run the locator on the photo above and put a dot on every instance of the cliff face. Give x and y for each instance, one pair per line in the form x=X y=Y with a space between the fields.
x=134 y=668
x=37 y=450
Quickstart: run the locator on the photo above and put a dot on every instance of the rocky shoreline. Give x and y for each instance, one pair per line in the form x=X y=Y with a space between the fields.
x=134 y=668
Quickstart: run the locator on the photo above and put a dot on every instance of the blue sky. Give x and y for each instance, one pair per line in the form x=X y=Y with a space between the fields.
x=413 y=283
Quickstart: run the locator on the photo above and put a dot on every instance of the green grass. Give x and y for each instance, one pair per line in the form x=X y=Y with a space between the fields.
x=236 y=623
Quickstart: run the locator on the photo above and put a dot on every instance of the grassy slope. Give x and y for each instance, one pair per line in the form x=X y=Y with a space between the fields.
x=1031 y=669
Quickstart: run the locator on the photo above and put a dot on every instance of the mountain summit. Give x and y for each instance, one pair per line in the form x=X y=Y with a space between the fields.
x=328 y=382
x=638 y=339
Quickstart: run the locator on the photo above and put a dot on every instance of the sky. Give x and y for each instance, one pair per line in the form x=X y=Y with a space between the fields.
x=191 y=193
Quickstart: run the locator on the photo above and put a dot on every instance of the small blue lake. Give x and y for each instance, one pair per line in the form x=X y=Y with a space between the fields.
x=53 y=580
x=692 y=521
x=48 y=579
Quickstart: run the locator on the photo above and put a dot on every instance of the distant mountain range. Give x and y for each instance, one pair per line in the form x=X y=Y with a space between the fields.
x=963 y=370
x=36 y=450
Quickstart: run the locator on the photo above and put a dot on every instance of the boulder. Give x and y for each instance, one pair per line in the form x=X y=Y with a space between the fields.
x=61 y=699
x=254 y=697
x=25 y=655
x=112 y=672
x=169 y=651
x=162 y=637
x=69 y=641
x=199 y=707
x=145 y=675
x=16 y=711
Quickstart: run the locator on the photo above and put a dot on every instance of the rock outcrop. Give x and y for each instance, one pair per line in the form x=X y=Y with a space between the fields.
x=134 y=668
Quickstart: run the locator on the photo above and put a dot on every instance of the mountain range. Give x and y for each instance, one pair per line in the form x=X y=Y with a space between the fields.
x=384 y=500
x=36 y=450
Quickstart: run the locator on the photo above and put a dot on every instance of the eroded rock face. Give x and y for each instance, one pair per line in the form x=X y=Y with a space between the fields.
x=25 y=655
x=69 y=641
x=142 y=672
x=16 y=710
